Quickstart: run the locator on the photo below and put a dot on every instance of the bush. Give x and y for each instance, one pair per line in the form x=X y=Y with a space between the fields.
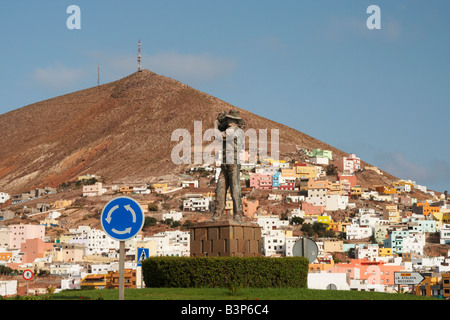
x=257 y=272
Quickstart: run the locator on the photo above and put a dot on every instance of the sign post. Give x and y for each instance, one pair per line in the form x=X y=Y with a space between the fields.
x=27 y=275
x=407 y=278
x=122 y=218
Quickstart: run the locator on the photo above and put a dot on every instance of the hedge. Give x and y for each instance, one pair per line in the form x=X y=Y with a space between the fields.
x=257 y=272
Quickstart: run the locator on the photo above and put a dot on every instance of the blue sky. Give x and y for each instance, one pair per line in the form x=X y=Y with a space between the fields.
x=312 y=65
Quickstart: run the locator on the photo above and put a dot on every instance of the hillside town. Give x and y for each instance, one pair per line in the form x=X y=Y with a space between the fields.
x=364 y=234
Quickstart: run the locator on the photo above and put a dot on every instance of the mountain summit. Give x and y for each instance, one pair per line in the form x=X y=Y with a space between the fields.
x=120 y=130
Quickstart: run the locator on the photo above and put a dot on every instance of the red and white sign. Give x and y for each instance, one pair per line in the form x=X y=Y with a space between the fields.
x=27 y=274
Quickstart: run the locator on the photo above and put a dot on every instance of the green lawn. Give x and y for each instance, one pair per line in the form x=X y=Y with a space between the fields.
x=225 y=294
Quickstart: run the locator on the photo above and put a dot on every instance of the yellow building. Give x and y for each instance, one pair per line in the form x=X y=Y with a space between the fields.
x=391 y=213
x=305 y=172
x=337 y=188
x=324 y=219
x=65 y=238
x=338 y=226
x=356 y=191
x=160 y=187
x=323 y=265
x=445 y=216
x=399 y=183
x=288 y=173
x=126 y=190
x=95 y=281
x=384 y=252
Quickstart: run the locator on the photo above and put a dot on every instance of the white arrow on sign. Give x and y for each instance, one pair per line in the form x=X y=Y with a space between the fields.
x=110 y=212
x=128 y=208
x=408 y=278
x=127 y=230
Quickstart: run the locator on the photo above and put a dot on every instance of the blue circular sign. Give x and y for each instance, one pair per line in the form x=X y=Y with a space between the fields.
x=122 y=218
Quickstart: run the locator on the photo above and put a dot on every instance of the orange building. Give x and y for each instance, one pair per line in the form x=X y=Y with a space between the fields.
x=425 y=208
x=249 y=207
x=385 y=190
x=5 y=256
x=323 y=265
x=112 y=279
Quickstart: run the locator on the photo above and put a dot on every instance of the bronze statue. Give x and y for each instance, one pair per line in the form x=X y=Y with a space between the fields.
x=231 y=128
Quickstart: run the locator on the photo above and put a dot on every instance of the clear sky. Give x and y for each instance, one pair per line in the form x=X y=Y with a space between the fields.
x=313 y=65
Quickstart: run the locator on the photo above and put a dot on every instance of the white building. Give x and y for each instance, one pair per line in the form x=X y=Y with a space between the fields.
x=174 y=215
x=98 y=242
x=141 y=190
x=414 y=243
x=319 y=160
x=295 y=198
x=197 y=203
x=189 y=184
x=171 y=243
x=66 y=269
x=266 y=170
x=357 y=232
x=273 y=243
x=369 y=220
x=328 y=281
x=369 y=251
x=270 y=222
x=336 y=202
x=445 y=234
x=330 y=201
x=4 y=197
x=8 y=288
x=93 y=190
x=403 y=188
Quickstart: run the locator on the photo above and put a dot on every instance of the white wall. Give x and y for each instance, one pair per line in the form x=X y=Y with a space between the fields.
x=322 y=280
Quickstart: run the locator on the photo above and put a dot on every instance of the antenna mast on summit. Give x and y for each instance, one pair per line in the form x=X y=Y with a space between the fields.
x=139 y=55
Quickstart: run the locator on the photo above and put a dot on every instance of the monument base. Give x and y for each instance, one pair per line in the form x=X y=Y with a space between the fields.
x=225 y=238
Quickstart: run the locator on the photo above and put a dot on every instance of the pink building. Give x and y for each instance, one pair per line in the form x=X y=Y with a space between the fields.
x=20 y=233
x=349 y=164
x=33 y=249
x=312 y=210
x=375 y=273
x=261 y=181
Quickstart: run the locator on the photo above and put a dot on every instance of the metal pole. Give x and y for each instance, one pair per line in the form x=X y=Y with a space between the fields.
x=121 y=270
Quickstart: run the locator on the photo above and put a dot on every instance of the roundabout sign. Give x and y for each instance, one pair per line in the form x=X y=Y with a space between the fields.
x=122 y=218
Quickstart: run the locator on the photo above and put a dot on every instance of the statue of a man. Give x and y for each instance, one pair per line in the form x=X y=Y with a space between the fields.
x=231 y=127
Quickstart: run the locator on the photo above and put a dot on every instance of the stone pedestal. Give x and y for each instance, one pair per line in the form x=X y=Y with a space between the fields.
x=225 y=238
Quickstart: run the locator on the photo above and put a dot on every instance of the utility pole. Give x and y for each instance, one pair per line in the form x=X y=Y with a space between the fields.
x=139 y=55
x=98 y=74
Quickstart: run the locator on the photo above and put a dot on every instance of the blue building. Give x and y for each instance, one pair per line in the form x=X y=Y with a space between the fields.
x=276 y=179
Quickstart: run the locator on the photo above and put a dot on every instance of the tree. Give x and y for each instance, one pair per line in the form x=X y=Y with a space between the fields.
x=297 y=220
x=149 y=221
x=331 y=170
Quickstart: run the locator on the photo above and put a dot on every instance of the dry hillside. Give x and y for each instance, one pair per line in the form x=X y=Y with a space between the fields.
x=120 y=130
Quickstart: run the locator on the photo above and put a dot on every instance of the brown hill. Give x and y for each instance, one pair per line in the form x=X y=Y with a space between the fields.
x=120 y=130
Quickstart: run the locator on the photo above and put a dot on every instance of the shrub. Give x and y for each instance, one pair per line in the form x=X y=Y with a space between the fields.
x=257 y=272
